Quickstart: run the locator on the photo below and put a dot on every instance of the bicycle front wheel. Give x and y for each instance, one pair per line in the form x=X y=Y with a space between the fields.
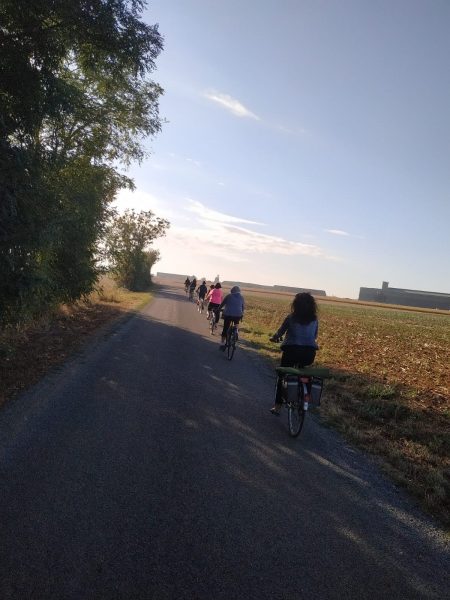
x=296 y=418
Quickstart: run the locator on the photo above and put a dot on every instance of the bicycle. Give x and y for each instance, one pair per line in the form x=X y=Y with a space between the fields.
x=201 y=305
x=300 y=387
x=191 y=295
x=231 y=340
x=212 y=320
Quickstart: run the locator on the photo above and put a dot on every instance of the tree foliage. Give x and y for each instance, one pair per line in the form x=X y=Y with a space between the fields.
x=127 y=247
x=75 y=103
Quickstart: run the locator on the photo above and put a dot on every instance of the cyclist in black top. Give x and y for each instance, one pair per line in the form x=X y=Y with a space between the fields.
x=202 y=290
x=192 y=288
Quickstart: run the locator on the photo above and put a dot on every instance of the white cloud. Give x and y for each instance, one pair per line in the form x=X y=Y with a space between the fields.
x=231 y=104
x=223 y=235
x=252 y=241
x=207 y=214
x=139 y=200
x=337 y=232
x=291 y=130
x=237 y=244
x=197 y=163
x=212 y=233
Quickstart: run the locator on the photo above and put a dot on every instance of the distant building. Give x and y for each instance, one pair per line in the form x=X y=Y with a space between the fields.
x=295 y=290
x=274 y=288
x=405 y=297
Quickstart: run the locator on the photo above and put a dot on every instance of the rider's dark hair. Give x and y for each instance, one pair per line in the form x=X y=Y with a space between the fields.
x=218 y=285
x=304 y=308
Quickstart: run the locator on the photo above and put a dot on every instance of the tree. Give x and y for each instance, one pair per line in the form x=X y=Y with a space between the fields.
x=152 y=257
x=127 y=247
x=75 y=103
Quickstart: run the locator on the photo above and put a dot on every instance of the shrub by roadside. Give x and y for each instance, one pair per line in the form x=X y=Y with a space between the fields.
x=27 y=352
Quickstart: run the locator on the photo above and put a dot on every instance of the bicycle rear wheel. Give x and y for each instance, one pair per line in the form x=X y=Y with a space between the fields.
x=231 y=343
x=296 y=415
x=296 y=418
x=212 y=322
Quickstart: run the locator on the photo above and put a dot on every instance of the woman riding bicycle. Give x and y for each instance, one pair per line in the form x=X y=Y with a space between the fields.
x=299 y=346
x=233 y=310
x=215 y=298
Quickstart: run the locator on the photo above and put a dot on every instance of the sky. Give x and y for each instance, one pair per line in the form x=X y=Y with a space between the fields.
x=305 y=143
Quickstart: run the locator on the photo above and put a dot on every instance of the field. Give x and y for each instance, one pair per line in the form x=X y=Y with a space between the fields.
x=389 y=392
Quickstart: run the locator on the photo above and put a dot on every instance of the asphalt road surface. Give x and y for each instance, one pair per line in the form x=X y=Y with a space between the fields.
x=149 y=467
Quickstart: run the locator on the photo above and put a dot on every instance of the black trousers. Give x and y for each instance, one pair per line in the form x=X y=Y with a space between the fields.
x=227 y=322
x=300 y=356
x=213 y=306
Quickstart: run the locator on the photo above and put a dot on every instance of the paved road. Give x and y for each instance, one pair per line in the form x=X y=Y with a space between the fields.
x=150 y=468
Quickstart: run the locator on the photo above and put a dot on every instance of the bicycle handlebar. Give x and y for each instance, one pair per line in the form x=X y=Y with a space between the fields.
x=276 y=339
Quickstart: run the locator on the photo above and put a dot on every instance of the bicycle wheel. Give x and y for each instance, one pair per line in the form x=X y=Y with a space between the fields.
x=231 y=343
x=212 y=322
x=296 y=415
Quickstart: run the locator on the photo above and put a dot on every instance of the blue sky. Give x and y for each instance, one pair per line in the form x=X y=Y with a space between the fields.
x=307 y=143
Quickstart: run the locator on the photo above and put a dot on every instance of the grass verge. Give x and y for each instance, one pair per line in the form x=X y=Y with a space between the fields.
x=29 y=351
x=389 y=393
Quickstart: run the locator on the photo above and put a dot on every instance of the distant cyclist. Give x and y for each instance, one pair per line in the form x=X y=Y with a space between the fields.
x=215 y=299
x=299 y=346
x=187 y=284
x=192 y=287
x=233 y=310
x=202 y=290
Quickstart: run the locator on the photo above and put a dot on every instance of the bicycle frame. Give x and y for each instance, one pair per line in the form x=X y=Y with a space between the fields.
x=231 y=339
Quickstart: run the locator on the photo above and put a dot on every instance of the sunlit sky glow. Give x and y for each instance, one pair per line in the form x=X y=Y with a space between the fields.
x=307 y=143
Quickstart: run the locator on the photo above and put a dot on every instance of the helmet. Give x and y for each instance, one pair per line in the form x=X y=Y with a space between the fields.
x=235 y=290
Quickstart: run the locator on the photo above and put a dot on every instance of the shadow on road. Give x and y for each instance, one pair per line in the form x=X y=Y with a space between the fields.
x=191 y=488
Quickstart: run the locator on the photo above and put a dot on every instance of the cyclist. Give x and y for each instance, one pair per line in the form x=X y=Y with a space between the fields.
x=215 y=299
x=192 y=287
x=208 y=295
x=299 y=346
x=187 y=284
x=233 y=310
x=201 y=291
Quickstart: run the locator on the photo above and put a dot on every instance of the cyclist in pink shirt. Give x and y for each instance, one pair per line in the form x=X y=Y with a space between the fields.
x=215 y=299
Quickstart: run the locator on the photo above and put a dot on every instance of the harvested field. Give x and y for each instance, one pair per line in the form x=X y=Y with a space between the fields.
x=390 y=390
